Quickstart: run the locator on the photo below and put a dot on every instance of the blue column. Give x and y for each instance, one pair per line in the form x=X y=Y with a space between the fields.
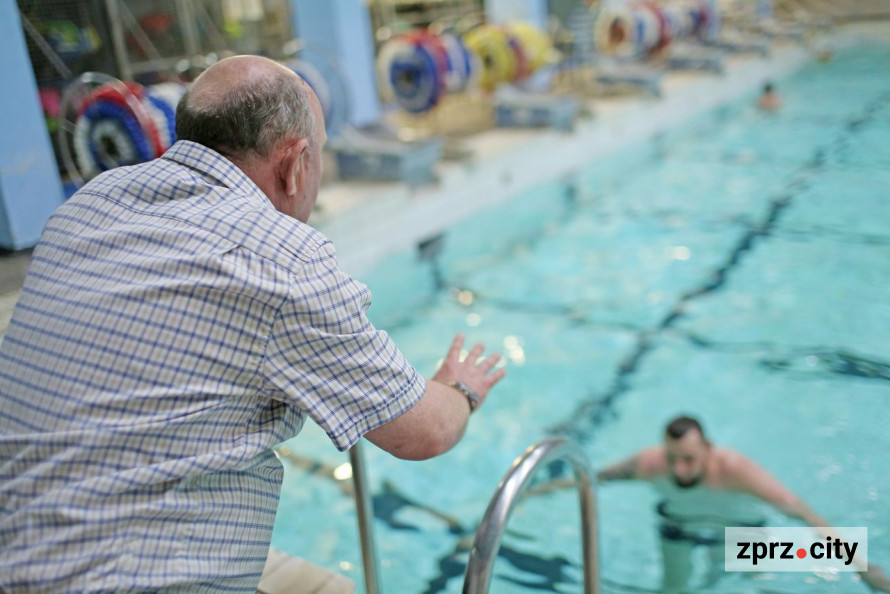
x=764 y=9
x=507 y=11
x=30 y=188
x=343 y=28
x=713 y=30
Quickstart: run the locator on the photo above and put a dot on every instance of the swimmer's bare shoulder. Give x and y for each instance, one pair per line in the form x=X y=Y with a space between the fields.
x=733 y=470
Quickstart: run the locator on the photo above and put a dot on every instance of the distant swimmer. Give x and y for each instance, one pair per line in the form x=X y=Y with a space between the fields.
x=704 y=489
x=769 y=99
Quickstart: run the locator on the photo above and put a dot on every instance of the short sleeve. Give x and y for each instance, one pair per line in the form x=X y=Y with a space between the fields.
x=325 y=357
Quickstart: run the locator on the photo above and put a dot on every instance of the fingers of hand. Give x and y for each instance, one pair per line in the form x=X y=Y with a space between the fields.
x=474 y=370
x=496 y=377
x=475 y=353
x=489 y=363
x=456 y=345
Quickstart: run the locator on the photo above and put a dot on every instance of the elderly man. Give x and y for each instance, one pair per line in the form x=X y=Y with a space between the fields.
x=178 y=320
x=705 y=489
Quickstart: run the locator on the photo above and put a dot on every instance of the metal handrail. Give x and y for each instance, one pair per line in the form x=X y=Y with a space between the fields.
x=510 y=490
x=365 y=516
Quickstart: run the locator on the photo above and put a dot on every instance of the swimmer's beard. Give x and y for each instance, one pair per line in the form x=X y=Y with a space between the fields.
x=688 y=483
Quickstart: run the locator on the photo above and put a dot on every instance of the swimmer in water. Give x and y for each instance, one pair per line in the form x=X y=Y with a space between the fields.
x=704 y=489
x=769 y=100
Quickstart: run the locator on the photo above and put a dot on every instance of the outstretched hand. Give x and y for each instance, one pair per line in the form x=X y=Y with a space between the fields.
x=475 y=373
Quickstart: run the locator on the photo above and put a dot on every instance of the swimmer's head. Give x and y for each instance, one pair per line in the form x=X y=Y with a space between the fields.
x=687 y=450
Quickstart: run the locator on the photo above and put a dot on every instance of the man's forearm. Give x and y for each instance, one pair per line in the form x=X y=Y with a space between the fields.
x=430 y=428
x=623 y=471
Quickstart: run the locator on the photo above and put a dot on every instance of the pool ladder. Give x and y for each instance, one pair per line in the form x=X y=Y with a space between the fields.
x=507 y=495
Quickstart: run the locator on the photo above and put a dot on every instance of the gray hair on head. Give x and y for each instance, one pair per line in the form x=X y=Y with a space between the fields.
x=249 y=120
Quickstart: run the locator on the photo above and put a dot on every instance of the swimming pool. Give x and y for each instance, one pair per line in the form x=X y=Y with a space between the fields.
x=737 y=269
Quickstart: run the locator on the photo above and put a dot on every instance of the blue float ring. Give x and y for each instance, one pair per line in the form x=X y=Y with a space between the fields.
x=415 y=79
x=99 y=110
x=169 y=116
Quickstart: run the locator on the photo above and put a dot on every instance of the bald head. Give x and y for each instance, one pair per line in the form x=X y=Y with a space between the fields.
x=243 y=106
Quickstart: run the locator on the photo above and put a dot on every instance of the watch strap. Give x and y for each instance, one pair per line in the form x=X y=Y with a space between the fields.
x=473 y=399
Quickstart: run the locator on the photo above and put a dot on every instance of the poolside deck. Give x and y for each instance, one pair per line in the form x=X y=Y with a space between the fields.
x=285 y=574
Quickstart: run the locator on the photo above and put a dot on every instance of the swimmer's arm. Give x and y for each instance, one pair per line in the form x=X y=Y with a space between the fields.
x=747 y=476
x=644 y=465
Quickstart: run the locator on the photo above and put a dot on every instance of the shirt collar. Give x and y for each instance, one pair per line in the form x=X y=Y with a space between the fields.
x=209 y=163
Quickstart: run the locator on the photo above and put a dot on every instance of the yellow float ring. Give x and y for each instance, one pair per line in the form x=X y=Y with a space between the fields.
x=536 y=43
x=498 y=59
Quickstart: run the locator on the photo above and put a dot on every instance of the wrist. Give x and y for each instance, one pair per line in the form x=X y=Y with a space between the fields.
x=473 y=398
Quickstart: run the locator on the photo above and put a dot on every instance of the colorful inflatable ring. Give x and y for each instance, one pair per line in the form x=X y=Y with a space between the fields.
x=460 y=63
x=164 y=98
x=615 y=31
x=664 y=27
x=411 y=73
x=523 y=65
x=628 y=31
x=108 y=135
x=130 y=97
x=498 y=58
x=536 y=44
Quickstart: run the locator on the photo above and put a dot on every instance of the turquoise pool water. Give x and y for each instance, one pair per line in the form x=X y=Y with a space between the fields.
x=737 y=269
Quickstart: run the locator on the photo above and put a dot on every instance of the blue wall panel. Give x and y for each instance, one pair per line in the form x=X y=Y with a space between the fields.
x=30 y=188
x=343 y=28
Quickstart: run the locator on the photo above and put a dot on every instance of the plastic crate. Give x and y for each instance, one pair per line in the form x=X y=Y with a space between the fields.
x=389 y=160
x=537 y=111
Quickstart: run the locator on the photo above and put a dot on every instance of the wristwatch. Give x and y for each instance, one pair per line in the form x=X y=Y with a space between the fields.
x=472 y=397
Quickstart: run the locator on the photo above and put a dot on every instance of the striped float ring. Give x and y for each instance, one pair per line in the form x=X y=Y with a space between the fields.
x=615 y=31
x=700 y=15
x=680 y=20
x=123 y=124
x=411 y=70
x=164 y=98
x=643 y=28
x=130 y=96
x=108 y=135
x=629 y=31
x=460 y=63
x=664 y=36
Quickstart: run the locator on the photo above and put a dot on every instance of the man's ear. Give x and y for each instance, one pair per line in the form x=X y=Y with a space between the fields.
x=290 y=166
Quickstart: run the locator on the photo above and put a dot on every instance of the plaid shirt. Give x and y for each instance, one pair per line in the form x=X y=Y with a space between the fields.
x=174 y=327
